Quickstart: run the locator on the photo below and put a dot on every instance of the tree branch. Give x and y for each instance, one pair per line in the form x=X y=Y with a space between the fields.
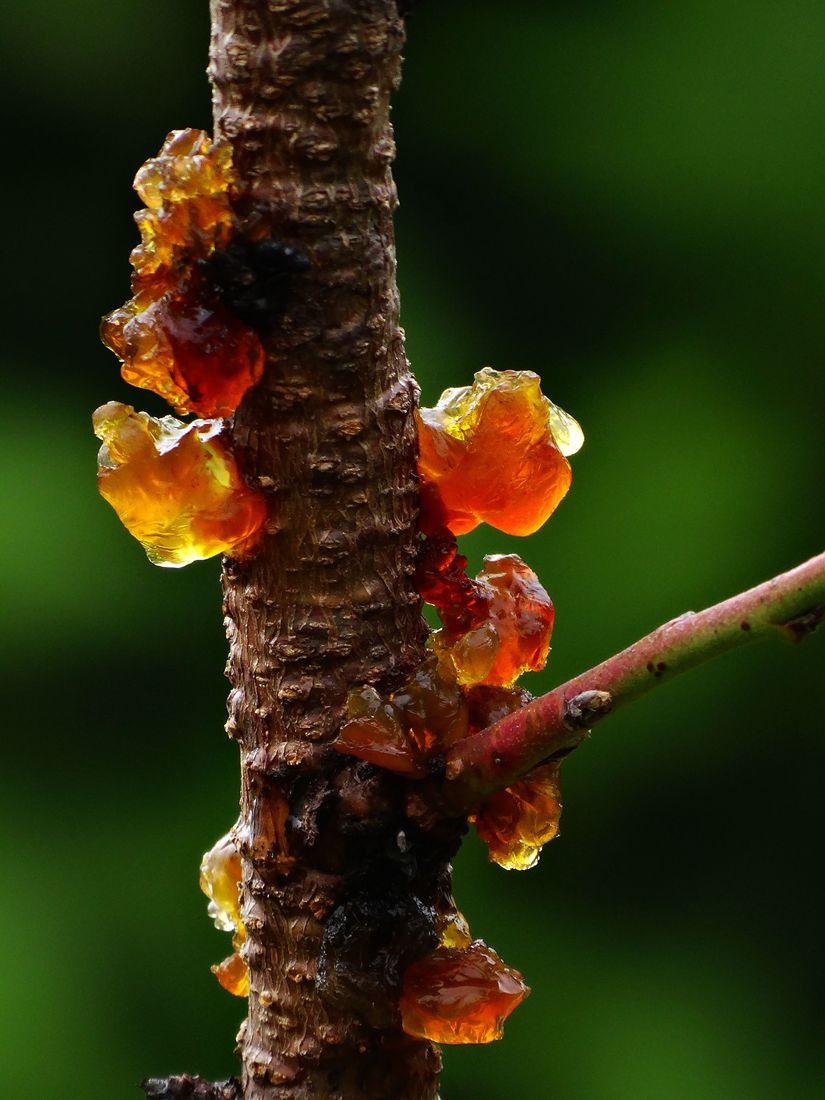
x=191 y=1088
x=328 y=602
x=792 y=604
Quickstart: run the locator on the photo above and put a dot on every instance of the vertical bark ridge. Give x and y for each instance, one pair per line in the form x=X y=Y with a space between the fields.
x=333 y=901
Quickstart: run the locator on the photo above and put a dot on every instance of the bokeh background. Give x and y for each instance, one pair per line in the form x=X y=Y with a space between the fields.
x=627 y=197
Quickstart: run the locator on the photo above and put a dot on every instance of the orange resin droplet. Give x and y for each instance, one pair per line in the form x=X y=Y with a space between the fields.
x=510 y=625
x=498 y=625
x=515 y=823
x=494 y=452
x=460 y=995
x=233 y=975
x=176 y=487
x=174 y=336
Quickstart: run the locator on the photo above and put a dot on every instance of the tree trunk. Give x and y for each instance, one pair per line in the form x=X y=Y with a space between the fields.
x=339 y=889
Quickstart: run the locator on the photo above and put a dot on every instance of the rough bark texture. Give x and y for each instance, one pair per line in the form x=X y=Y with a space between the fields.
x=339 y=889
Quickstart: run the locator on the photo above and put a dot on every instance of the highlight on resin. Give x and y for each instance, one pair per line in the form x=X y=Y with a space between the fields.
x=220 y=879
x=175 y=336
x=176 y=487
x=494 y=452
x=460 y=995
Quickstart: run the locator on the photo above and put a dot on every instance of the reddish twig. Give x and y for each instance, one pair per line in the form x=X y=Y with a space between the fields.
x=792 y=604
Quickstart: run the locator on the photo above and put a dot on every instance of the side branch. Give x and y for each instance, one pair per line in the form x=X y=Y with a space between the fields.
x=191 y=1088
x=792 y=604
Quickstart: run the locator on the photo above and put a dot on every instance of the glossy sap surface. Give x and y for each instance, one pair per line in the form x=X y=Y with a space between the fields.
x=187 y=347
x=460 y=995
x=498 y=625
x=403 y=732
x=220 y=877
x=494 y=452
x=516 y=822
x=176 y=487
x=174 y=335
x=453 y=929
x=514 y=635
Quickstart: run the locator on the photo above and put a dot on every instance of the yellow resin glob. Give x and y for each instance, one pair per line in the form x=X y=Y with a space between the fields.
x=494 y=452
x=175 y=336
x=516 y=822
x=189 y=167
x=220 y=877
x=453 y=929
x=176 y=487
x=460 y=995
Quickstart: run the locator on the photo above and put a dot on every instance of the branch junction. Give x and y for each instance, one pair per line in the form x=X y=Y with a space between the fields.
x=790 y=605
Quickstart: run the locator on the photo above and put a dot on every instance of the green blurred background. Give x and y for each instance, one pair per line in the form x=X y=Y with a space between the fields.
x=626 y=197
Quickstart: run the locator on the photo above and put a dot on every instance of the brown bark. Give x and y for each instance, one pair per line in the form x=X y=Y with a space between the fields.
x=339 y=889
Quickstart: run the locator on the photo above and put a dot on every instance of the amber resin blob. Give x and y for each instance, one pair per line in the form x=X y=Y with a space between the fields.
x=189 y=348
x=494 y=452
x=513 y=637
x=175 y=336
x=517 y=822
x=403 y=732
x=460 y=995
x=176 y=487
x=220 y=878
